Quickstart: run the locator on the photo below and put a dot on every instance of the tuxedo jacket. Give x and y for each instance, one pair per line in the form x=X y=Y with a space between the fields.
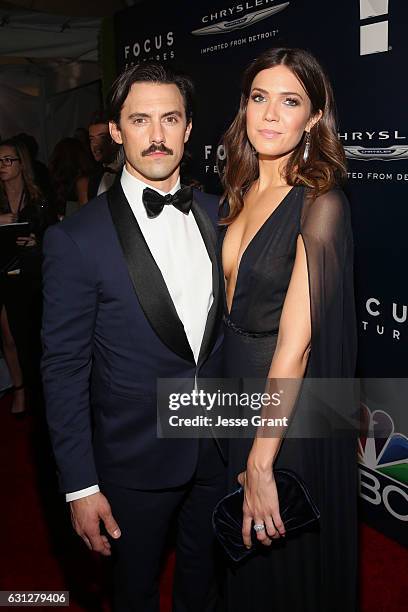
x=110 y=329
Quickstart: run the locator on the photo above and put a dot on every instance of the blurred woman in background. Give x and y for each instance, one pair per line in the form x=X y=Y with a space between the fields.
x=20 y=279
x=70 y=168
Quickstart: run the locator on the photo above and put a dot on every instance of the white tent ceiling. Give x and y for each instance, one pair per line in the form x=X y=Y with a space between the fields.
x=42 y=28
x=49 y=69
x=40 y=35
x=75 y=8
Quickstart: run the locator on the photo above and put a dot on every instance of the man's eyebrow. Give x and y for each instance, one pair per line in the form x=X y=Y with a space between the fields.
x=99 y=134
x=174 y=112
x=167 y=114
x=134 y=115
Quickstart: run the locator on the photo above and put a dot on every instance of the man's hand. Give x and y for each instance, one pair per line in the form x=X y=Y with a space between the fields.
x=86 y=514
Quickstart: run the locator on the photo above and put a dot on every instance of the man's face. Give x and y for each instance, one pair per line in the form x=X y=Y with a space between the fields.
x=153 y=130
x=100 y=142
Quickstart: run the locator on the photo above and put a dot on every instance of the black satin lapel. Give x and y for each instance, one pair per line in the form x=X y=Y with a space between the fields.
x=210 y=240
x=148 y=282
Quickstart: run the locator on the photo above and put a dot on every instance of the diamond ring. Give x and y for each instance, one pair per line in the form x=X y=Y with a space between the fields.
x=259 y=527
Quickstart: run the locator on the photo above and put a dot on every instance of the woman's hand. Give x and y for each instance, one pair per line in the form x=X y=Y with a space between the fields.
x=27 y=241
x=8 y=218
x=261 y=505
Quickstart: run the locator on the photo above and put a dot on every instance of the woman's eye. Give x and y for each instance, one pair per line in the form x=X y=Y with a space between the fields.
x=257 y=98
x=291 y=101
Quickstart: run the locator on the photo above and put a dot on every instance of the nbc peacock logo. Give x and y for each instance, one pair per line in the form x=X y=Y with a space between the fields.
x=383 y=458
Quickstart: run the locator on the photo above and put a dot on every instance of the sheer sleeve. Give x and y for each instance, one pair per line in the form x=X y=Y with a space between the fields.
x=326 y=231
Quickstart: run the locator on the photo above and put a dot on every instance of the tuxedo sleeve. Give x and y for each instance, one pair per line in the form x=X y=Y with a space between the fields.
x=70 y=306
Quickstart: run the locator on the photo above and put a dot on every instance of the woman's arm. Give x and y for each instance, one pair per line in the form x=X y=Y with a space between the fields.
x=311 y=320
x=261 y=503
x=292 y=348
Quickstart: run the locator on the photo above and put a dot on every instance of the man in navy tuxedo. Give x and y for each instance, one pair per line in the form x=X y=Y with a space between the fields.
x=132 y=294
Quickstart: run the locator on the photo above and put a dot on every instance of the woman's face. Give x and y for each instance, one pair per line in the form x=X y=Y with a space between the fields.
x=278 y=112
x=8 y=173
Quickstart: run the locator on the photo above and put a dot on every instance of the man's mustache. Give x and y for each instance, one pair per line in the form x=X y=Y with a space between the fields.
x=161 y=148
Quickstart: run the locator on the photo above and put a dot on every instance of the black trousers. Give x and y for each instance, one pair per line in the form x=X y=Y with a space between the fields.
x=144 y=518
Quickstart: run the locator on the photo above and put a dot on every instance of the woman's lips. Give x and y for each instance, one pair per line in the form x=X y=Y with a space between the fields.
x=270 y=134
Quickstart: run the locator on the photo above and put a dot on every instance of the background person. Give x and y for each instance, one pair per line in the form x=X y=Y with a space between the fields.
x=20 y=282
x=70 y=169
x=40 y=170
x=104 y=151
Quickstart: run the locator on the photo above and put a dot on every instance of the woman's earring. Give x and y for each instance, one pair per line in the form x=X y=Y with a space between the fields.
x=307 y=147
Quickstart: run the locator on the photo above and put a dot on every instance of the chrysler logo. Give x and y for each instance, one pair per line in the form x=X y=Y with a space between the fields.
x=377 y=153
x=243 y=22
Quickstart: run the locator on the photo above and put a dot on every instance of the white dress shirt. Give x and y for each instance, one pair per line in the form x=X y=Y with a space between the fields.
x=107 y=180
x=176 y=244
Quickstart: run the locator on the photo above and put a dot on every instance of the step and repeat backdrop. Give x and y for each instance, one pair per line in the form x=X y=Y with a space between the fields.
x=363 y=45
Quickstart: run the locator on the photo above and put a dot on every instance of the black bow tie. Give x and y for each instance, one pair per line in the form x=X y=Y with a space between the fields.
x=154 y=202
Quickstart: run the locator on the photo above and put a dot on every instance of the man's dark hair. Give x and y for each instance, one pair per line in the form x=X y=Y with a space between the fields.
x=148 y=72
x=97 y=117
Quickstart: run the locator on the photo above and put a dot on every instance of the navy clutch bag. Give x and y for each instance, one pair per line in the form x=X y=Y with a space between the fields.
x=297 y=510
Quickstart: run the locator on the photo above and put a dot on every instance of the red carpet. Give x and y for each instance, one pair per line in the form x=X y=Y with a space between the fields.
x=40 y=551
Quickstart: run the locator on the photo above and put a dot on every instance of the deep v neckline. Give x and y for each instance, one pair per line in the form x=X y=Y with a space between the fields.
x=245 y=251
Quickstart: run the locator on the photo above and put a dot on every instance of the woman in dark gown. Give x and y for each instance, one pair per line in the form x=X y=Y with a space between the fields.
x=289 y=314
x=20 y=276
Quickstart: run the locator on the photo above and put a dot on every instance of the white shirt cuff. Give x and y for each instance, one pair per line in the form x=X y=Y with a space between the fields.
x=81 y=493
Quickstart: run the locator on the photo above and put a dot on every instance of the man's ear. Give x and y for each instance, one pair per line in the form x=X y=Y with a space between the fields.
x=313 y=120
x=115 y=132
x=187 y=133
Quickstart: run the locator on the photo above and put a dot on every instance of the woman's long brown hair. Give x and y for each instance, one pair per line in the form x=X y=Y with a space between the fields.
x=326 y=163
x=69 y=162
